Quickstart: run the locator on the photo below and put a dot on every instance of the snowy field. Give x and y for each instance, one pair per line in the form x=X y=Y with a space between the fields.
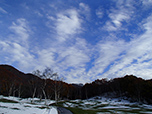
x=98 y=105
x=103 y=105
x=13 y=105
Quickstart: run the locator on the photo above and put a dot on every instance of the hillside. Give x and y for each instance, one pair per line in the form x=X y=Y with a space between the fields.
x=16 y=83
x=129 y=86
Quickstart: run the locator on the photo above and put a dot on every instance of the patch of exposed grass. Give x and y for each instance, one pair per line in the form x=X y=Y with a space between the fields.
x=81 y=111
x=60 y=104
x=43 y=107
x=15 y=108
x=27 y=106
x=80 y=107
x=3 y=107
x=100 y=106
x=7 y=101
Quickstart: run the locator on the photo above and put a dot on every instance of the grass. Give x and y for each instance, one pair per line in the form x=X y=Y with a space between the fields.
x=89 y=107
x=81 y=111
x=76 y=110
x=27 y=106
x=7 y=101
x=3 y=107
x=82 y=108
x=43 y=107
x=15 y=108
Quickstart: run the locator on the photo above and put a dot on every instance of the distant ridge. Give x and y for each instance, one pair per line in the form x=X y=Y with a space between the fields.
x=16 y=83
x=16 y=72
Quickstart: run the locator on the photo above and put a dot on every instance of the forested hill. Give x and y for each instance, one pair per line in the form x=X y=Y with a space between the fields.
x=16 y=83
x=129 y=86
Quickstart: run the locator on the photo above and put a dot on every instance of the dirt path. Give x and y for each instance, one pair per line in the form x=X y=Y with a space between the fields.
x=63 y=111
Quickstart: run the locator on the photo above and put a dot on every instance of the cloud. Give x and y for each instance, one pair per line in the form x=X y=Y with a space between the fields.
x=62 y=35
x=21 y=54
x=84 y=9
x=147 y=2
x=16 y=46
x=3 y=11
x=20 y=31
x=77 y=76
x=75 y=56
x=16 y=53
x=137 y=55
x=99 y=12
x=67 y=24
x=116 y=58
x=118 y=15
x=44 y=58
x=106 y=53
x=72 y=57
x=110 y=26
x=3 y=45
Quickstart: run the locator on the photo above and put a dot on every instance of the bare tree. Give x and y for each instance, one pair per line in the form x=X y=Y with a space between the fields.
x=20 y=90
x=57 y=87
x=45 y=75
x=33 y=87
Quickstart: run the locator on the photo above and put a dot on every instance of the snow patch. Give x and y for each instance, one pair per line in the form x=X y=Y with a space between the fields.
x=24 y=106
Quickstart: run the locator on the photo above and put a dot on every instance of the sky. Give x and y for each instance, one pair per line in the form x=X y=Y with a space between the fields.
x=82 y=40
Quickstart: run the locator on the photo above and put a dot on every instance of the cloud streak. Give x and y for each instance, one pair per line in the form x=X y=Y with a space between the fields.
x=3 y=11
x=137 y=56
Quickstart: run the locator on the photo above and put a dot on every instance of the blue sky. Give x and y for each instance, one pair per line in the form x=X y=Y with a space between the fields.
x=81 y=40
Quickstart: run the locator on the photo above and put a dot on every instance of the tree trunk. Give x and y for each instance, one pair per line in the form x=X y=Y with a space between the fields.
x=44 y=96
x=33 y=95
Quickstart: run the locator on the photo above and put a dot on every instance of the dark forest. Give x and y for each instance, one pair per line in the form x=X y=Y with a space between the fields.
x=16 y=83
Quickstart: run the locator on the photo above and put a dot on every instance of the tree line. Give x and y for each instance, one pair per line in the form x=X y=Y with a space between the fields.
x=48 y=85
x=129 y=86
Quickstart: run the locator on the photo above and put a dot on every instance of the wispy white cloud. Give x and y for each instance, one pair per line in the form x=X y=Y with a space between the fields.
x=119 y=16
x=121 y=13
x=74 y=56
x=64 y=42
x=45 y=58
x=16 y=45
x=3 y=11
x=106 y=52
x=137 y=56
x=3 y=45
x=99 y=12
x=84 y=9
x=21 y=55
x=77 y=76
x=147 y=2
x=39 y=13
x=67 y=23
x=20 y=30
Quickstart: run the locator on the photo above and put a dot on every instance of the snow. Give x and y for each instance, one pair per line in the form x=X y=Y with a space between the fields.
x=109 y=105
x=50 y=111
x=24 y=106
x=115 y=107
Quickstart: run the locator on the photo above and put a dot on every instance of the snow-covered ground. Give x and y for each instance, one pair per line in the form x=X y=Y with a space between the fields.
x=104 y=105
x=101 y=105
x=13 y=105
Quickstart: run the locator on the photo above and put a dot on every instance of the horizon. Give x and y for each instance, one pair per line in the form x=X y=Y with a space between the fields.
x=79 y=84
x=81 y=40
